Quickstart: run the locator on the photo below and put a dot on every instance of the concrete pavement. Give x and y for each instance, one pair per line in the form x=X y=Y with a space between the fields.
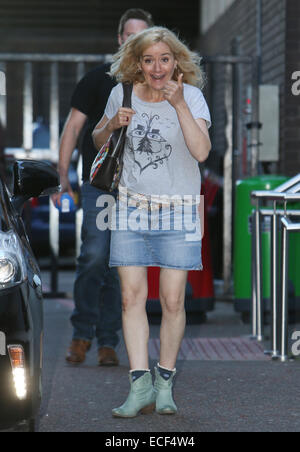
x=225 y=392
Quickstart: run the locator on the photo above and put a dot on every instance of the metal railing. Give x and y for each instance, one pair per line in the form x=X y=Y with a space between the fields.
x=54 y=60
x=52 y=153
x=281 y=220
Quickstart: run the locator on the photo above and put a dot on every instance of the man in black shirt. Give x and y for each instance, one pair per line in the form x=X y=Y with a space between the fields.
x=96 y=292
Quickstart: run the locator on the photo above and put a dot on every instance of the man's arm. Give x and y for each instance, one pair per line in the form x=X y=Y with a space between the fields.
x=68 y=142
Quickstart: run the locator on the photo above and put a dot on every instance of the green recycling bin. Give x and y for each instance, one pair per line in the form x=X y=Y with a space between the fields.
x=242 y=257
x=294 y=270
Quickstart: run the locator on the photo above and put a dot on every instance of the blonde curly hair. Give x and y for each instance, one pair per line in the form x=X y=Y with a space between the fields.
x=126 y=61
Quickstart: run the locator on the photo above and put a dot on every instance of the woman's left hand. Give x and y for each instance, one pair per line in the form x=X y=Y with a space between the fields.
x=173 y=91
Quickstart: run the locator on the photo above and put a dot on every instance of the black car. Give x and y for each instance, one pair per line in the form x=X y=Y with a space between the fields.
x=21 y=301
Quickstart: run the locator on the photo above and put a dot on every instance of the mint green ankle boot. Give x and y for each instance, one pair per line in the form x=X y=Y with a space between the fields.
x=164 y=399
x=141 y=398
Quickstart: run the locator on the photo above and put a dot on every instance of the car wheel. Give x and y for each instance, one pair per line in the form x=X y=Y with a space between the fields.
x=32 y=426
x=28 y=426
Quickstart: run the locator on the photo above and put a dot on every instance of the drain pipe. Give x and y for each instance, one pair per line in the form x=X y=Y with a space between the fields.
x=255 y=125
x=259 y=38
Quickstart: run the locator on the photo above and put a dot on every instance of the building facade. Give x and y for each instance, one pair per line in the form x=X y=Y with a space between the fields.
x=270 y=28
x=213 y=27
x=70 y=27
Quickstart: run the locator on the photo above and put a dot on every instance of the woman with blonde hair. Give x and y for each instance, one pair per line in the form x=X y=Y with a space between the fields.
x=167 y=137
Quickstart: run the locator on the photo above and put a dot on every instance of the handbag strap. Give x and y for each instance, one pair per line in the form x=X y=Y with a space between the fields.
x=127 y=89
x=119 y=134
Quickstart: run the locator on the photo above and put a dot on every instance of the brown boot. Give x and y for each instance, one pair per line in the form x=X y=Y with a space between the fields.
x=107 y=357
x=77 y=351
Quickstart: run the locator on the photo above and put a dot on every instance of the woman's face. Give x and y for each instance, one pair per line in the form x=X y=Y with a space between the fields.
x=158 y=64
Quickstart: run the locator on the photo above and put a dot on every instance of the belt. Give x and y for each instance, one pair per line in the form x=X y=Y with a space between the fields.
x=145 y=204
x=154 y=202
x=140 y=202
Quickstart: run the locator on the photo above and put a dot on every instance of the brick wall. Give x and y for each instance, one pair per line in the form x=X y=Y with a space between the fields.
x=280 y=58
x=290 y=162
x=84 y=25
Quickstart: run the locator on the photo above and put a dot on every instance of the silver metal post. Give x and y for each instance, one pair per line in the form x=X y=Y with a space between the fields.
x=288 y=185
x=54 y=147
x=284 y=293
x=259 y=285
x=79 y=212
x=227 y=226
x=27 y=108
x=3 y=105
x=254 y=292
x=280 y=212
x=294 y=190
x=274 y=282
x=80 y=71
x=54 y=109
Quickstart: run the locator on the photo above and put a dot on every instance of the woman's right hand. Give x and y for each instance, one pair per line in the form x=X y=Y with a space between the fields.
x=122 y=118
x=106 y=127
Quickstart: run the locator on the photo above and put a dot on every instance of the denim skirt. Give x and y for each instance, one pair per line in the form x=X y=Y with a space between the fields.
x=162 y=237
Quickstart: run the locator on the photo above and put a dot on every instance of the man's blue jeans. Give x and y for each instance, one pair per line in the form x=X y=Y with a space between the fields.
x=97 y=294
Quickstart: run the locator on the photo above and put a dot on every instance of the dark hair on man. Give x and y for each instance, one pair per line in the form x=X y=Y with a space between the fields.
x=135 y=13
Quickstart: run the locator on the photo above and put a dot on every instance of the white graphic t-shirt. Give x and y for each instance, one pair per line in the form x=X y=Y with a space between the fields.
x=156 y=158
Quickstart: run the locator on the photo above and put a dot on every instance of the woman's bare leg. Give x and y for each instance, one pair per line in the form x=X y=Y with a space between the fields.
x=134 y=287
x=172 y=297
